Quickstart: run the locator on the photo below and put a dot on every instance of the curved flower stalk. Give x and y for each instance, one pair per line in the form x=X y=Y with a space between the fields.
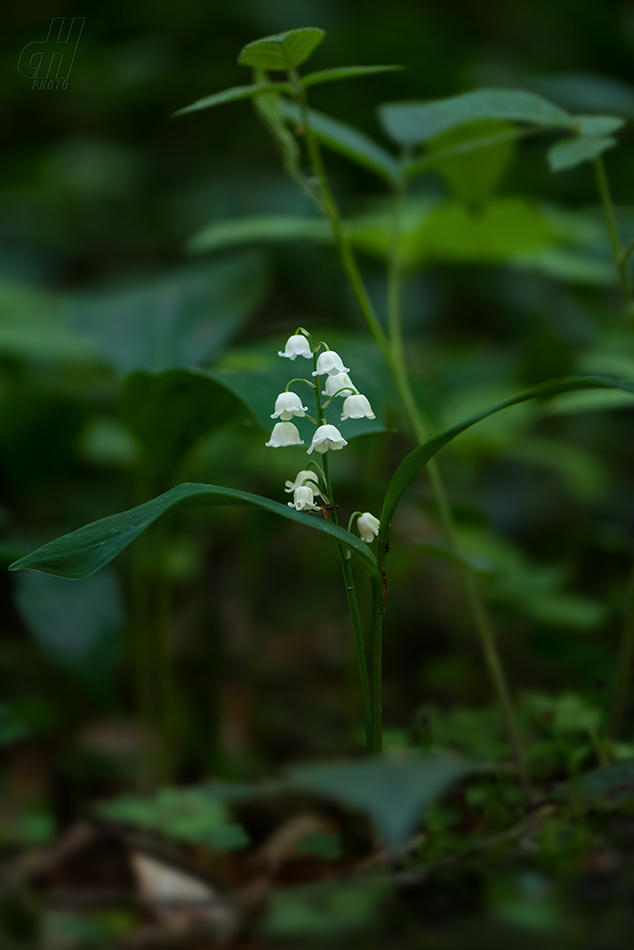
x=339 y=385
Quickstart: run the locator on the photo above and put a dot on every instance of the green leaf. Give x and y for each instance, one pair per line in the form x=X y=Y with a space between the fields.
x=236 y=231
x=346 y=140
x=598 y=124
x=607 y=785
x=416 y=460
x=83 y=552
x=233 y=95
x=180 y=320
x=169 y=412
x=345 y=72
x=282 y=50
x=473 y=157
x=76 y=623
x=392 y=791
x=576 y=150
x=410 y=123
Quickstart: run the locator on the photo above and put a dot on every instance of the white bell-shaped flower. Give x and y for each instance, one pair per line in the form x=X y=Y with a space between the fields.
x=327 y=437
x=330 y=362
x=284 y=433
x=304 y=476
x=335 y=383
x=357 y=406
x=288 y=405
x=368 y=526
x=303 y=499
x=297 y=345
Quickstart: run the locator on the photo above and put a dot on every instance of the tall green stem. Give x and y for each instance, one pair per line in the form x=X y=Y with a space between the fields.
x=620 y=259
x=376 y=651
x=351 y=593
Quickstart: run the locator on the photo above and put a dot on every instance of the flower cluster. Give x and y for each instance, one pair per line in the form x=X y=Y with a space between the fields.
x=307 y=486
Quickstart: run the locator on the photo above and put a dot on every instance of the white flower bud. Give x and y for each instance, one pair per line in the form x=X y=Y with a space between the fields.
x=284 y=433
x=335 y=383
x=288 y=405
x=327 y=437
x=330 y=362
x=357 y=406
x=297 y=345
x=368 y=526
x=303 y=499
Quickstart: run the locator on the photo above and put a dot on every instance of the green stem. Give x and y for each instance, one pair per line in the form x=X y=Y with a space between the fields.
x=375 y=747
x=351 y=592
x=623 y=669
x=620 y=260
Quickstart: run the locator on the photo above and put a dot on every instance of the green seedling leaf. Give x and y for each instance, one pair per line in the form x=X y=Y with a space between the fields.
x=391 y=791
x=597 y=125
x=83 y=552
x=234 y=95
x=76 y=623
x=345 y=72
x=178 y=321
x=169 y=412
x=184 y=814
x=328 y=907
x=472 y=158
x=574 y=151
x=411 y=123
x=249 y=230
x=607 y=785
x=282 y=50
x=416 y=460
x=346 y=140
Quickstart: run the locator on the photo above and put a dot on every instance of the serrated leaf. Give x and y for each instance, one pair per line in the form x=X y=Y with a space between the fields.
x=233 y=95
x=574 y=151
x=282 y=50
x=598 y=124
x=348 y=141
x=83 y=552
x=168 y=412
x=416 y=460
x=345 y=72
x=411 y=123
x=256 y=228
x=392 y=791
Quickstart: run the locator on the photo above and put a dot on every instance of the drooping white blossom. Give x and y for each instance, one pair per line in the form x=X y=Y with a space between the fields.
x=357 y=406
x=288 y=405
x=368 y=526
x=304 y=499
x=325 y=438
x=304 y=476
x=297 y=345
x=283 y=434
x=335 y=383
x=330 y=362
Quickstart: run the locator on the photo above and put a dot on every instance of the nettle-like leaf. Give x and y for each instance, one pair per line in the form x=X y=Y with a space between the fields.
x=412 y=123
x=416 y=460
x=83 y=552
x=235 y=94
x=392 y=791
x=283 y=50
x=348 y=141
x=574 y=151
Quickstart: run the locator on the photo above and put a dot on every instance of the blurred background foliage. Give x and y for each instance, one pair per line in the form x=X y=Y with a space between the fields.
x=103 y=311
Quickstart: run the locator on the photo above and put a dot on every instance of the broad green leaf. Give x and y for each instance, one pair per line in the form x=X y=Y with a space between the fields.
x=237 y=231
x=325 y=908
x=180 y=320
x=576 y=150
x=83 y=552
x=184 y=814
x=416 y=460
x=233 y=95
x=346 y=140
x=76 y=623
x=411 y=123
x=392 y=791
x=473 y=157
x=169 y=412
x=598 y=124
x=282 y=50
x=345 y=72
